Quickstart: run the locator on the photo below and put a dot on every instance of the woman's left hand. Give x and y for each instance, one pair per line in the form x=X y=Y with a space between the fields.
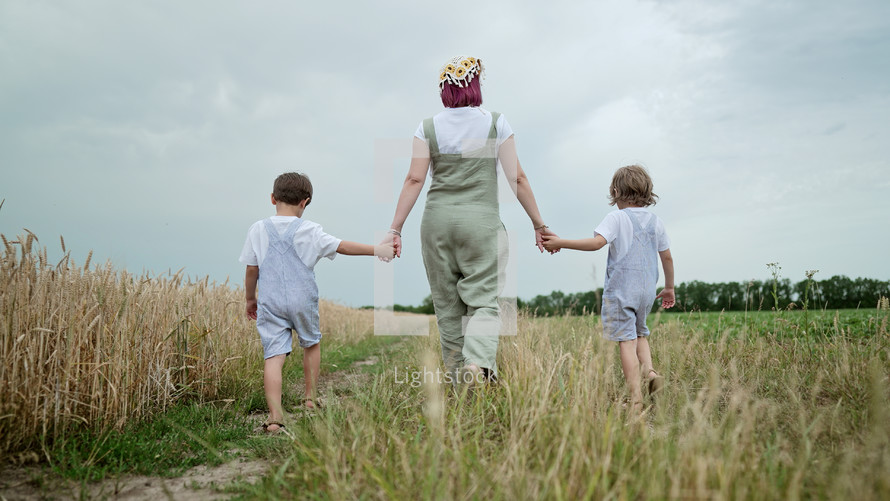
x=539 y=238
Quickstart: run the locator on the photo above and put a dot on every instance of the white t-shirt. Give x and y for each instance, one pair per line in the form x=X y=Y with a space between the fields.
x=618 y=230
x=465 y=129
x=310 y=242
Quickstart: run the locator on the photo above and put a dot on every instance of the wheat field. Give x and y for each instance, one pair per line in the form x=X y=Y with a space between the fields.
x=87 y=345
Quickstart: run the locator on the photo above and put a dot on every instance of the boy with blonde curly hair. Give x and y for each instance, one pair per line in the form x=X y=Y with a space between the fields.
x=637 y=239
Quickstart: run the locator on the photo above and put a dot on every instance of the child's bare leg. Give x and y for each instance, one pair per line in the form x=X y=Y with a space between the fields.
x=272 y=384
x=644 y=355
x=311 y=366
x=631 y=367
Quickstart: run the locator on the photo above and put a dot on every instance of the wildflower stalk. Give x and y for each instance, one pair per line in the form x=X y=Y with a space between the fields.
x=806 y=297
x=775 y=270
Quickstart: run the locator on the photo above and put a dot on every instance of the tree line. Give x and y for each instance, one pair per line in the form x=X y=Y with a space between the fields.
x=836 y=292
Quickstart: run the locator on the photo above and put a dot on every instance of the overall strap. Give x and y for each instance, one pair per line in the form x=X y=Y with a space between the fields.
x=492 y=142
x=270 y=230
x=652 y=222
x=638 y=228
x=292 y=228
x=633 y=220
x=287 y=237
x=493 y=131
x=429 y=131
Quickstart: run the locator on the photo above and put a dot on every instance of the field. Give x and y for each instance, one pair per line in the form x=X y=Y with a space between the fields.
x=109 y=377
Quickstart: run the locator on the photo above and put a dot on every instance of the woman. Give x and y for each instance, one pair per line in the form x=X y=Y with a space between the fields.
x=462 y=237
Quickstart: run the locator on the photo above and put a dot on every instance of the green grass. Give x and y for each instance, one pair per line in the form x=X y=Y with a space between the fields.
x=813 y=324
x=186 y=436
x=342 y=356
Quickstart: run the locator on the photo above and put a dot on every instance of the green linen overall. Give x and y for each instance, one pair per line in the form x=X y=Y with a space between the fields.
x=464 y=249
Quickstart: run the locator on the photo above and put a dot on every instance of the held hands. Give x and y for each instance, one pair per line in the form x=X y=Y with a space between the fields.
x=390 y=247
x=550 y=242
x=667 y=297
x=541 y=236
x=385 y=251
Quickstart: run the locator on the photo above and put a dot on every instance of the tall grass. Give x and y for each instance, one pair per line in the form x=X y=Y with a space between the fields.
x=741 y=418
x=97 y=347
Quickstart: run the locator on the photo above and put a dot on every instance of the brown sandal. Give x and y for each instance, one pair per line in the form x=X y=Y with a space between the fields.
x=275 y=431
x=316 y=405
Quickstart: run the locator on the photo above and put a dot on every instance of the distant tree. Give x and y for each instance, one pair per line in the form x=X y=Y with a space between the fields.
x=695 y=295
x=427 y=306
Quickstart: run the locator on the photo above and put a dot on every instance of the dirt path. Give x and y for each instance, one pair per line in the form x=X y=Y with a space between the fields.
x=199 y=483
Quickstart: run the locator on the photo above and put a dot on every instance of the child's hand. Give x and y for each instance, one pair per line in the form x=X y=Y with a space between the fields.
x=539 y=238
x=251 y=309
x=385 y=251
x=393 y=241
x=667 y=297
x=551 y=243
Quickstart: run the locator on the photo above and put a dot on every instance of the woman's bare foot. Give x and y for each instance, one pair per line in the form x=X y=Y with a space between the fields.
x=472 y=374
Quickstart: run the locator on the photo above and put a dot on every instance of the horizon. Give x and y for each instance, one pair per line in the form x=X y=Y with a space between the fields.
x=189 y=279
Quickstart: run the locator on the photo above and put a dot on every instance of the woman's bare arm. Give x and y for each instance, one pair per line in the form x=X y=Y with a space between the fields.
x=522 y=189
x=417 y=172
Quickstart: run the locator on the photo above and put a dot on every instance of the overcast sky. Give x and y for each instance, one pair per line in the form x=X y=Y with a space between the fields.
x=151 y=132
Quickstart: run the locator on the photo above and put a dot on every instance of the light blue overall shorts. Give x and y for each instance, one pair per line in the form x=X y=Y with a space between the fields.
x=629 y=290
x=287 y=296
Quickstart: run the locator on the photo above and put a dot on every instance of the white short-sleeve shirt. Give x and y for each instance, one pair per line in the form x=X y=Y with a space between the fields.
x=465 y=129
x=618 y=230
x=310 y=242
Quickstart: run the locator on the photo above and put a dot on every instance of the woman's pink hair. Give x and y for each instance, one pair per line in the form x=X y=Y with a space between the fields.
x=458 y=97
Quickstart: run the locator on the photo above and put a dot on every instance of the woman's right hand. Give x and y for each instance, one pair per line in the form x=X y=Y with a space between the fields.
x=397 y=245
x=396 y=242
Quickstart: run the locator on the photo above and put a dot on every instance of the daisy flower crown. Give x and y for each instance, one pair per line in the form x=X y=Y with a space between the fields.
x=460 y=71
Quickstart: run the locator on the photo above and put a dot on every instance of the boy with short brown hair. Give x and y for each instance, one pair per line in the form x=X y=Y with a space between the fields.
x=281 y=253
